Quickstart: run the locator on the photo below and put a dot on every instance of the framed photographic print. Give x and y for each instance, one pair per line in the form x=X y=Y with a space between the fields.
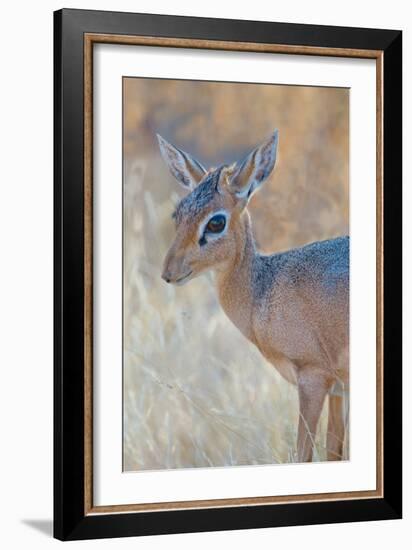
x=227 y=274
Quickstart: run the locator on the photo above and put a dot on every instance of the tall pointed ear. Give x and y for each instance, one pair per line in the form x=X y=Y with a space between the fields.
x=187 y=170
x=249 y=174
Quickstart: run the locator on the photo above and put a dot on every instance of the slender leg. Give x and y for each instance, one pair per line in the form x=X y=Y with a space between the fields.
x=336 y=428
x=312 y=389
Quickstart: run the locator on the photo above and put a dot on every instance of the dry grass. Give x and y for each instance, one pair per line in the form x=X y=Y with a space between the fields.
x=196 y=393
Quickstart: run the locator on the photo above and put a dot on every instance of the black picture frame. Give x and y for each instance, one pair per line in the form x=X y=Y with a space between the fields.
x=70 y=520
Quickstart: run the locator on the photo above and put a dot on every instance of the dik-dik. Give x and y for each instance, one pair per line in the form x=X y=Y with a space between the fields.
x=294 y=305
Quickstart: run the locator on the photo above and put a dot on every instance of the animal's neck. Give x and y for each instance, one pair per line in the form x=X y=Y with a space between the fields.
x=234 y=280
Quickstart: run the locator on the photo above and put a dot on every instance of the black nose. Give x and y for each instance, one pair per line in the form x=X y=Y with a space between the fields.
x=166 y=277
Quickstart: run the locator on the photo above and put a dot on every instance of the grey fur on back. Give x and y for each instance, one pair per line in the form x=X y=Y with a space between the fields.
x=325 y=262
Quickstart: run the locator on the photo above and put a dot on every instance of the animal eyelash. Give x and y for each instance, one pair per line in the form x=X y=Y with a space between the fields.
x=205 y=230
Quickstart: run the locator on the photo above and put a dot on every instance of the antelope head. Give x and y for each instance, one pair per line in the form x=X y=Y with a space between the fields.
x=207 y=217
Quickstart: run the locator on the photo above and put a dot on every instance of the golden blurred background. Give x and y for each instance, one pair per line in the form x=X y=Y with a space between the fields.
x=196 y=393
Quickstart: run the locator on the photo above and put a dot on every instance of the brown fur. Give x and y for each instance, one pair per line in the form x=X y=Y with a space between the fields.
x=288 y=308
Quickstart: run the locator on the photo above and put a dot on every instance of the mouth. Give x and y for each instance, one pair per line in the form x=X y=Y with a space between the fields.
x=183 y=279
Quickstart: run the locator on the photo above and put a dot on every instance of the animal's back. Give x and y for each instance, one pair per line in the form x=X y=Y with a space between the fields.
x=326 y=261
x=302 y=300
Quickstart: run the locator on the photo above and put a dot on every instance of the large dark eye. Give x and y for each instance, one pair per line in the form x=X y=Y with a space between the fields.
x=216 y=224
